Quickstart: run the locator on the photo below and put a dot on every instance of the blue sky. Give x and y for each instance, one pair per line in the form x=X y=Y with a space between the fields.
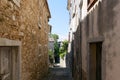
x=59 y=17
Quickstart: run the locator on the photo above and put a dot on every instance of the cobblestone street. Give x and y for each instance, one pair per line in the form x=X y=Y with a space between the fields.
x=59 y=73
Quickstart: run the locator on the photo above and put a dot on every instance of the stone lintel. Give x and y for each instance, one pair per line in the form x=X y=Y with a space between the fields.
x=8 y=42
x=96 y=39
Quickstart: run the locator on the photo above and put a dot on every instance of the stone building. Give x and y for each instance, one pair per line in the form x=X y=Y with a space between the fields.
x=51 y=49
x=51 y=40
x=94 y=44
x=23 y=39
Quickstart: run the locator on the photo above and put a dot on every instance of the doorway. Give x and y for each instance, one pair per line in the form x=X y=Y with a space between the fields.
x=95 y=59
x=10 y=59
x=9 y=63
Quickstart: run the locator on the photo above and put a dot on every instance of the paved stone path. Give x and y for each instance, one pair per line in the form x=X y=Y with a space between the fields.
x=58 y=73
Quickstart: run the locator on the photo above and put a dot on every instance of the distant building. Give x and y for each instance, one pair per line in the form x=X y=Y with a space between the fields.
x=51 y=39
x=51 y=44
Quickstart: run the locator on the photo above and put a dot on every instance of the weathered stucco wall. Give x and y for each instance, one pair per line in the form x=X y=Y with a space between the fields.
x=103 y=21
x=28 y=24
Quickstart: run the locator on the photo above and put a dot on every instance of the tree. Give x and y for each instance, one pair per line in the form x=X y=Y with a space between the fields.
x=56 y=47
x=55 y=36
x=63 y=49
x=51 y=56
x=65 y=45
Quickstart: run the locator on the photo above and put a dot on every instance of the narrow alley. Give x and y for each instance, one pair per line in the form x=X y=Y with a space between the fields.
x=59 y=73
x=59 y=39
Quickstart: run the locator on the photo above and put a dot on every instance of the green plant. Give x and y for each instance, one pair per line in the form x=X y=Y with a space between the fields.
x=62 y=55
x=56 y=45
x=56 y=49
x=63 y=49
x=51 y=54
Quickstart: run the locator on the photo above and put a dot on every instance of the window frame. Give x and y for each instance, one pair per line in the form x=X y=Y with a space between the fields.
x=91 y=4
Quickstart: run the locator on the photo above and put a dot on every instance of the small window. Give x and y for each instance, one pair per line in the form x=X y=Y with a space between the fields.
x=39 y=22
x=17 y=2
x=91 y=3
x=39 y=50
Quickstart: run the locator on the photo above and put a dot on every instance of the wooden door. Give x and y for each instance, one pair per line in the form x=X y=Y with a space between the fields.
x=5 y=63
x=95 y=65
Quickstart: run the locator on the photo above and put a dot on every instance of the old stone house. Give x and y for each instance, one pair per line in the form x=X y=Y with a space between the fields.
x=23 y=39
x=95 y=41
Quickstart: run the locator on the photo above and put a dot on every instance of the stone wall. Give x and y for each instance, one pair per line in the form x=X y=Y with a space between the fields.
x=27 y=21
